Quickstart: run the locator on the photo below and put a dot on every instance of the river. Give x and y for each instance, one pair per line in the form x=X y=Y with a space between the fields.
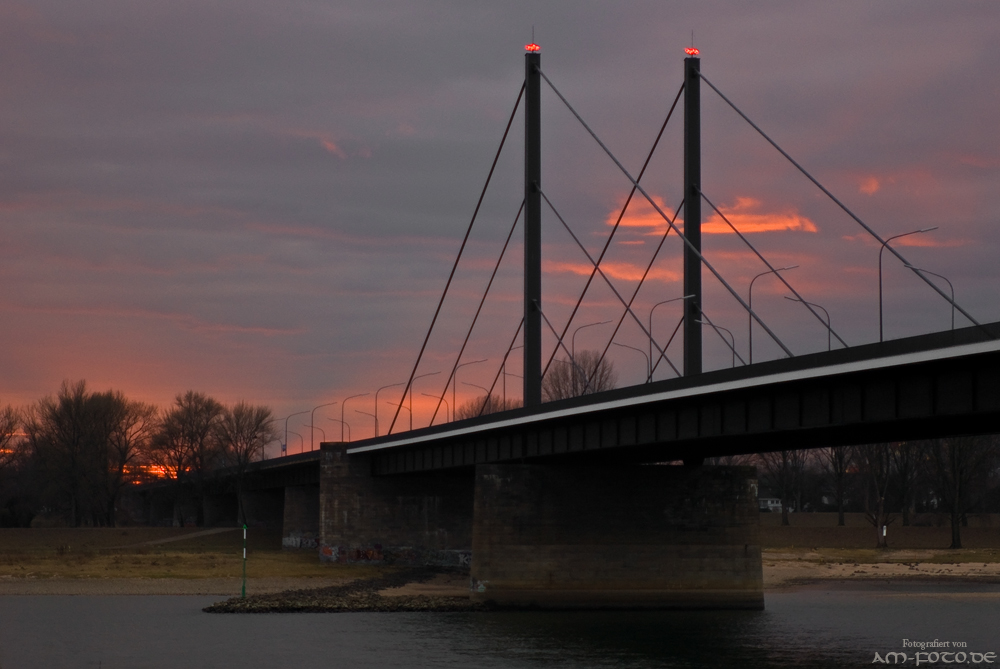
x=812 y=627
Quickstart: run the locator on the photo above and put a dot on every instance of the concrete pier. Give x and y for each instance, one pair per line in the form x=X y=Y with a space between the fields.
x=410 y=519
x=649 y=536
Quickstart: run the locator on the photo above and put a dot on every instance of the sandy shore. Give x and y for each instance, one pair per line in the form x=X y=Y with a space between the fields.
x=784 y=571
x=780 y=572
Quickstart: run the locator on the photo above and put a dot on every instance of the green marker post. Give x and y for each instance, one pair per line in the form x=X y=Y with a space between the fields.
x=244 y=594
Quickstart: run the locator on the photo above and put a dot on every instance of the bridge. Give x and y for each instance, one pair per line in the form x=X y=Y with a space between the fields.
x=571 y=503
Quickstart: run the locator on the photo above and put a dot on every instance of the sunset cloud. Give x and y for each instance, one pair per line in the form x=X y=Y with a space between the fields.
x=270 y=206
x=869 y=186
x=748 y=215
x=613 y=270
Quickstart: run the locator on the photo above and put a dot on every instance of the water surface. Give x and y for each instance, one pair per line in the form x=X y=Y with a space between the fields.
x=808 y=628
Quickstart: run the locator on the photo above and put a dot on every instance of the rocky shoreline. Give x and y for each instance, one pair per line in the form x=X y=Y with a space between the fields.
x=360 y=595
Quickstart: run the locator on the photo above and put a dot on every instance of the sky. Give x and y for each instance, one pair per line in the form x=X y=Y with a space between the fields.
x=262 y=201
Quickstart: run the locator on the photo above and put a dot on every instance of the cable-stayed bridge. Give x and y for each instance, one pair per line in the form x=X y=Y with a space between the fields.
x=562 y=503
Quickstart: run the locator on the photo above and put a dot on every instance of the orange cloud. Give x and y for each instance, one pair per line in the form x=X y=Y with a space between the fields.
x=619 y=270
x=870 y=186
x=746 y=215
x=640 y=214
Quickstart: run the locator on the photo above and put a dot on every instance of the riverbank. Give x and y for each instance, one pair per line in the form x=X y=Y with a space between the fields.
x=416 y=589
x=190 y=561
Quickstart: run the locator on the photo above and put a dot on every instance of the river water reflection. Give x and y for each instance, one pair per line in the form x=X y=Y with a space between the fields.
x=806 y=628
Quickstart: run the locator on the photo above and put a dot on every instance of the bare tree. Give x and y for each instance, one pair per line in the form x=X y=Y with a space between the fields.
x=130 y=426
x=184 y=445
x=961 y=467
x=10 y=426
x=483 y=405
x=875 y=463
x=586 y=375
x=836 y=461
x=242 y=433
x=783 y=473
x=62 y=433
x=732 y=460
x=906 y=460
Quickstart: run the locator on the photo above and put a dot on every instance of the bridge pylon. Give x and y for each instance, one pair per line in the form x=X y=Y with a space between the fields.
x=692 y=213
x=532 y=228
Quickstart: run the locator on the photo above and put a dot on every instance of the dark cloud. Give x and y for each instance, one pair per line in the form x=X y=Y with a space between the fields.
x=262 y=200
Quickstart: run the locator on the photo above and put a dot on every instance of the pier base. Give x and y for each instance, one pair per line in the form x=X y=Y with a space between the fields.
x=409 y=519
x=644 y=536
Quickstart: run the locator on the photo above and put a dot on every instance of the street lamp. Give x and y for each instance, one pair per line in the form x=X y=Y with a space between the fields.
x=573 y=339
x=442 y=399
x=650 y=358
x=882 y=248
x=410 y=408
x=391 y=385
x=312 y=420
x=486 y=397
x=813 y=304
x=503 y=368
x=732 y=339
x=951 y=287
x=302 y=443
x=298 y=413
x=316 y=427
x=750 y=306
x=454 y=380
x=366 y=413
x=400 y=405
x=342 y=423
x=640 y=352
x=572 y=355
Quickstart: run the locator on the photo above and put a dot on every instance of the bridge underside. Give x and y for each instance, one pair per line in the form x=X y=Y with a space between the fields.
x=939 y=385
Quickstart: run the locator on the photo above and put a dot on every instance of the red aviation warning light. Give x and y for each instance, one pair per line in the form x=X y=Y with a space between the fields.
x=691 y=51
x=532 y=47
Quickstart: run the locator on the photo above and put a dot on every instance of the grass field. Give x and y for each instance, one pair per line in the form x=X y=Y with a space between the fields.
x=128 y=553
x=819 y=530
x=190 y=553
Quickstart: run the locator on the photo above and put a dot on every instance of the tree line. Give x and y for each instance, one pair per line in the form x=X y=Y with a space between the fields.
x=73 y=454
x=888 y=482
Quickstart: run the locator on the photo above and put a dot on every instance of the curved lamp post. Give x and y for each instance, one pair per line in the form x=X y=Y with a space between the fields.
x=950 y=287
x=640 y=352
x=322 y=431
x=454 y=380
x=750 y=307
x=486 y=397
x=312 y=421
x=442 y=399
x=391 y=385
x=298 y=413
x=572 y=355
x=410 y=407
x=881 y=249
x=650 y=357
x=368 y=413
x=342 y=423
x=829 y=330
x=302 y=442
x=732 y=345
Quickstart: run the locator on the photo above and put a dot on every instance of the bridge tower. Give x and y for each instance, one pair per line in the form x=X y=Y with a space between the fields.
x=532 y=228
x=692 y=212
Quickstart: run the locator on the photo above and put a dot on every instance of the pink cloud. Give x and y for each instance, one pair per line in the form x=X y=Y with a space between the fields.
x=747 y=214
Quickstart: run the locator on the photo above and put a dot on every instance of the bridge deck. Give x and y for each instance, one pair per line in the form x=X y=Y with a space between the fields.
x=919 y=387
